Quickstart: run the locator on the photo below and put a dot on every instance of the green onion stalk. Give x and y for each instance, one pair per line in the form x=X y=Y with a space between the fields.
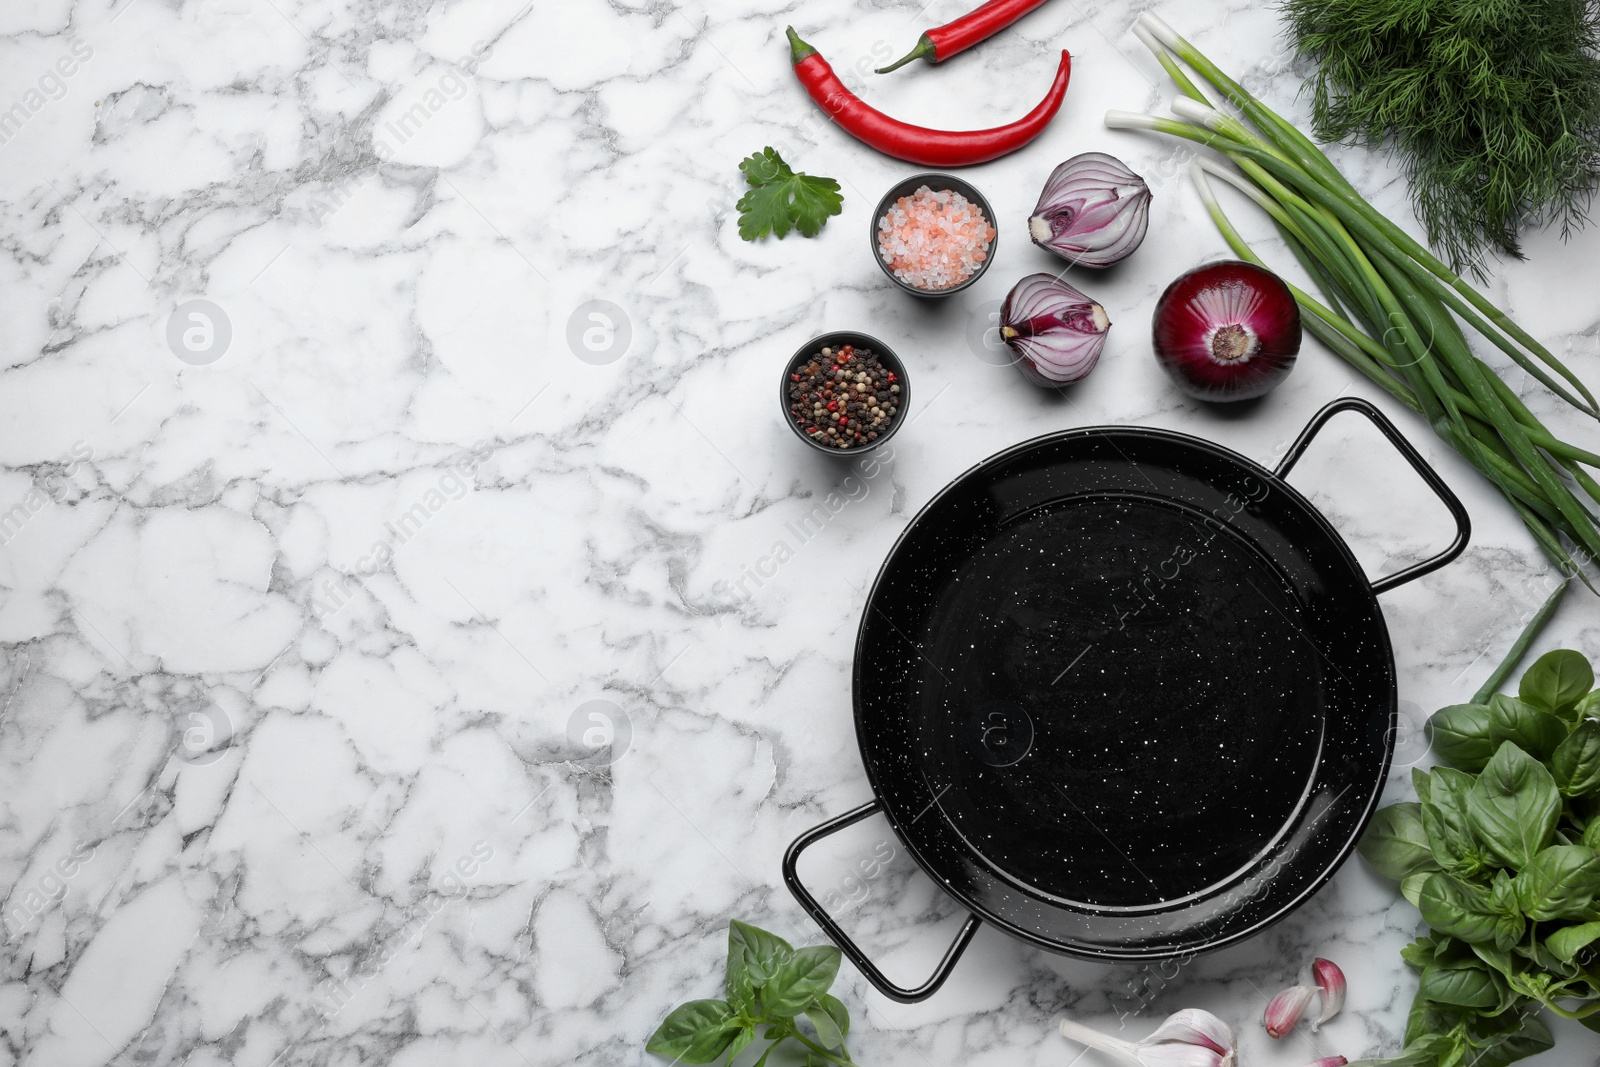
x=1388 y=306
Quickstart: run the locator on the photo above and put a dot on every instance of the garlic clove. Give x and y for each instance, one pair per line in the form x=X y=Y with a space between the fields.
x=1330 y=985
x=1284 y=1011
x=1329 y=1061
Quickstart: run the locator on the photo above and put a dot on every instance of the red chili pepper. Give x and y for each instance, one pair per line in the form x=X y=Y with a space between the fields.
x=942 y=42
x=918 y=144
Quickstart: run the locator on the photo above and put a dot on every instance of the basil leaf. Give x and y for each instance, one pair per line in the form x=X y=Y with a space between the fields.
x=1560 y=883
x=800 y=979
x=741 y=988
x=1536 y=731
x=759 y=952
x=1421 y=783
x=1513 y=806
x=1425 y=1048
x=1576 y=762
x=1500 y=959
x=1458 y=908
x=827 y=1030
x=1419 y=1019
x=1467 y=735
x=1529 y=1039
x=1444 y=821
x=1508 y=930
x=1502 y=893
x=696 y=1032
x=1509 y=922
x=1469 y=985
x=740 y=1040
x=1591 y=835
x=1395 y=842
x=1557 y=680
x=837 y=1012
x=1461 y=735
x=1566 y=943
x=1588 y=706
x=1411 y=886
x=738 y=982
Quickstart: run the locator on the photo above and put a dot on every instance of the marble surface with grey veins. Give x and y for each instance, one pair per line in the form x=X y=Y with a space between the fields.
x=398 y=663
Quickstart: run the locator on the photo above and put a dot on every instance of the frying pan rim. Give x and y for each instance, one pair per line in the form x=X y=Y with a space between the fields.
x=1336 y=858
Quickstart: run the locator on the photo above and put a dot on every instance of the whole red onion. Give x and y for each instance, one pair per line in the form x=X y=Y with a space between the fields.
x=1056 y=331
x=1227 y=331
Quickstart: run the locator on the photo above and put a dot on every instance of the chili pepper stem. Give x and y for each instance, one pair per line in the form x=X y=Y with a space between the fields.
x=798 y=49
x=925 y=50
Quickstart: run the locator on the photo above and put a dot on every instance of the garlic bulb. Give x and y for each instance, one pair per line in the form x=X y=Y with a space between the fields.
x=1190 y=1038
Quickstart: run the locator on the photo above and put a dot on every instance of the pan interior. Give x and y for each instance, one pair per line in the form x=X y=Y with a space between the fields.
x=1118 y=703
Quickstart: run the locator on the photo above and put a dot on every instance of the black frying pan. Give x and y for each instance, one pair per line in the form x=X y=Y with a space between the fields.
x=1124 y=694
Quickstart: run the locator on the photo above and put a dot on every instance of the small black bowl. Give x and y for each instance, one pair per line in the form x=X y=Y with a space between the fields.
x=837 y=339
x=935 y=181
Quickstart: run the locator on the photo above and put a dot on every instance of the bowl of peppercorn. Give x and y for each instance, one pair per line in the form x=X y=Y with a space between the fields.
x=844 y=392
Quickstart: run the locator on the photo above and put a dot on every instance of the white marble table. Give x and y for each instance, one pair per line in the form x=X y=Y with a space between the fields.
x=310 y=600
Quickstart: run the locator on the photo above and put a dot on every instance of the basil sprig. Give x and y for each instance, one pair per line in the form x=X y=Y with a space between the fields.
x=770 y=987
x=1499 y=853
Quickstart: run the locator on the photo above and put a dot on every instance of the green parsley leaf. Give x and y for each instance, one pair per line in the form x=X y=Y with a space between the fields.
x=781 y=199
x=765 y=167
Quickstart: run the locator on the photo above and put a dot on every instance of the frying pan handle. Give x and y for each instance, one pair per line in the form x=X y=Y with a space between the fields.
x=1418 y=464
x=791 y=860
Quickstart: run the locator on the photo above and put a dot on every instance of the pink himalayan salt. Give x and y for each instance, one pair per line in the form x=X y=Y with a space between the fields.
x=934 y=240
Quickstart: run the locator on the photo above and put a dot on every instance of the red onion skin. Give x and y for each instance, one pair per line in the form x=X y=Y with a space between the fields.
x=1195 y=303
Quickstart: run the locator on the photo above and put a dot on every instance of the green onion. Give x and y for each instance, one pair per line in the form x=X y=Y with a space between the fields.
x=1519 y=647
x=1389 y=307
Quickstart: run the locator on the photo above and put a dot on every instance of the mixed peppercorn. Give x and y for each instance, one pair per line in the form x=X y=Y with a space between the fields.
x=844 y=397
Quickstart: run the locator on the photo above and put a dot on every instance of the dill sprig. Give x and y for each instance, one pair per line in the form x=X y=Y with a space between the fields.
x=1493 y=106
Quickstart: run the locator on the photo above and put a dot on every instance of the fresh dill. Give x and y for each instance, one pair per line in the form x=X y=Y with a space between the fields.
x=1493 y=107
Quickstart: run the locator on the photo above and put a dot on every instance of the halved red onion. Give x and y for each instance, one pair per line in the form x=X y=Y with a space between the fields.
x=1056 y=331
x=1094 y=210
x=1227 y=331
